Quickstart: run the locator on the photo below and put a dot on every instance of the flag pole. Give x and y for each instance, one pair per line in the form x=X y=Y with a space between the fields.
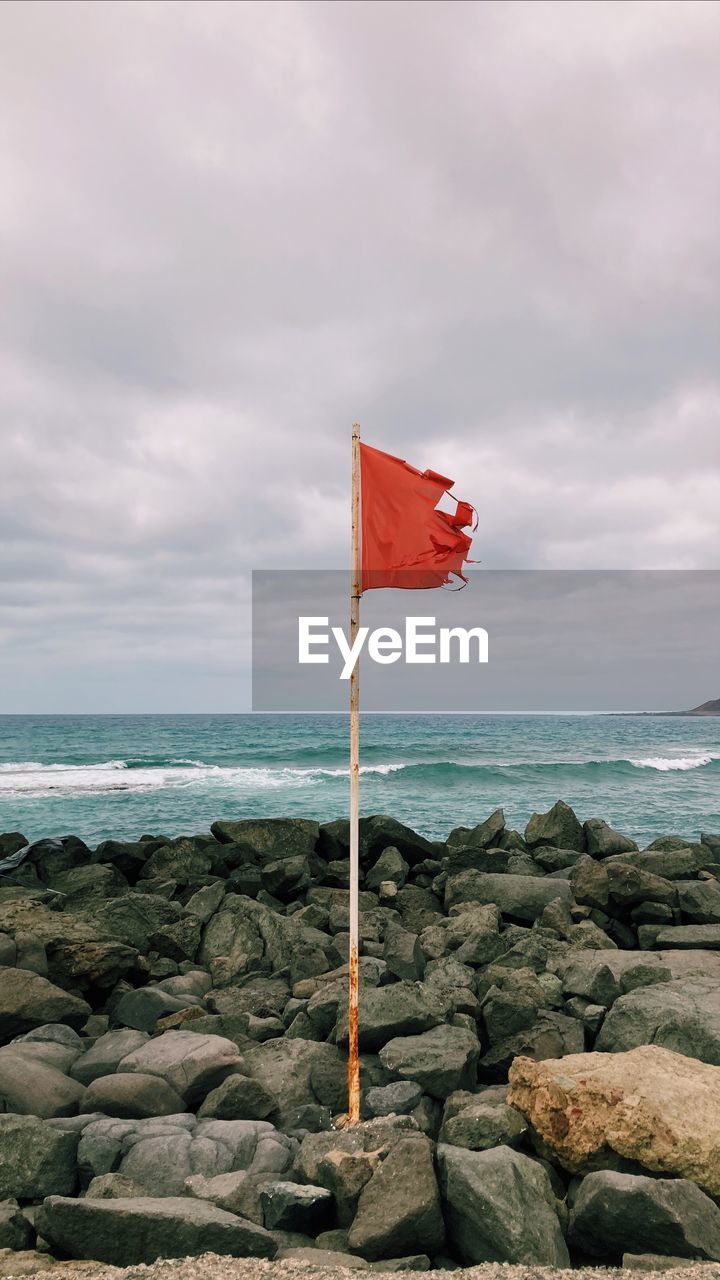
x=353 y=1069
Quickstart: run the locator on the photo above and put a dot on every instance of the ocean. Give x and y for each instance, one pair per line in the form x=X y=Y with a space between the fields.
x=123 y=776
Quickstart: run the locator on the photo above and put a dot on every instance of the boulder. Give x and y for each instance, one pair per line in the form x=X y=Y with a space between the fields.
x=134 y=918
x=399 y=1208
x=689 y=937
x=683 y=1015
x=699 y=901
x=239 y=1097
x=345 y=1173
x=680 y=863
x=140 y=1009
x=15 y=1230
x=91 y=964
x=126 y=1232
x=28 y=1000
x=292 y=1206
x=269 y=838
x=500 y=1207
x=297 y=1073
x=132 y=1096
x=483 y=836
x=390 y=866
x=520 y=897
x=286 y=878
x=160 y=1154
x=244 y=936
x=36 y=1159
x=113 y=1186
x=104 y=1056
x=649 y=1105
x=191 y=1064
x=393 y=1099
x=559 y=827
x=32 y=1087
x=440 y=1060
x=603 y=976
x=614 y=1213
x=602 y=841
x=551 y=1035
x=402 y=1008
x=480 y=1125
x=403 y=953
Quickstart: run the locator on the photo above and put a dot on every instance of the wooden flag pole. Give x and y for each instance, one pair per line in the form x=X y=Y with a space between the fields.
x=354 y=967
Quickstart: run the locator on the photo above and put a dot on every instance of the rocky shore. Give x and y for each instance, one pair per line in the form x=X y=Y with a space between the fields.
x=540 y=1037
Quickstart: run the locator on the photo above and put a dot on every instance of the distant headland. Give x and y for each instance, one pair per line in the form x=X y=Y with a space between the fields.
x=710 y=708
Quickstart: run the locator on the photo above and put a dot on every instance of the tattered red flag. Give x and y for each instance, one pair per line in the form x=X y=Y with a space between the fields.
x=405 y=541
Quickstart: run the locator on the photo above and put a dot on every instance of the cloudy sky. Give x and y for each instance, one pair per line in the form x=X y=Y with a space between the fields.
x=488 y=231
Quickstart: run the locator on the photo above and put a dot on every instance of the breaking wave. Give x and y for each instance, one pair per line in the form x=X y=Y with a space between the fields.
x=32 y=778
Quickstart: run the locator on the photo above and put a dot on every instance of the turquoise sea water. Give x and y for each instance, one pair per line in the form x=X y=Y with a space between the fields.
x=101 y=776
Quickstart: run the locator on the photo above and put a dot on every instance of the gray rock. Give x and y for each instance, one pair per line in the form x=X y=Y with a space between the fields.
x=690 y=937
x=244 y=935
x=127 y=1232
x=191 y=1064
x=292 y=1206
x=28 y=1000
x=297 y=1073
x=270 y=838
x=134 y=918
x=36 y=1160
x=521 y=897
x=239 y=1097
x=398 y=1098
x=286 y=878
x=104 y=1056
x=500 y=1207
x=602 y=840
x=132 y=1096
x=552 y=1036
x=390 y=866
x=30 y=1086
x=238 y=1192
x=440 y=1060
x=206 y=901
x=481 y=1125
x=614 y=1213
x=161 y=1155
x=54 y=1033
x=559 y=827
x=680 y=863
x=699 y=901
x=140 y=1009
x=15 y=1230
x=403 y=953
x=602 y=976
x=682 y=1015
x=403 y=1008
x=375 y=1137
x=345 y=1173
x=483 y=836
x=399 y=1208
x=113 y=1186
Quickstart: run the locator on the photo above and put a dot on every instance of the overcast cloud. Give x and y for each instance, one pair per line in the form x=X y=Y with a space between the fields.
x=488 y=231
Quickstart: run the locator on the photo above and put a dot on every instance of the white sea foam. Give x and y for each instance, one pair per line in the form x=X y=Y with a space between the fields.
x=28 y=777
x=670 y=764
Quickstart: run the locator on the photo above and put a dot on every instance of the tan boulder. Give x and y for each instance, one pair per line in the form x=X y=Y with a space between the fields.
x=651 y=1106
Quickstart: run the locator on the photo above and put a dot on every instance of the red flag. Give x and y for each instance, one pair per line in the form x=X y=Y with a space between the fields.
x=405 y=540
